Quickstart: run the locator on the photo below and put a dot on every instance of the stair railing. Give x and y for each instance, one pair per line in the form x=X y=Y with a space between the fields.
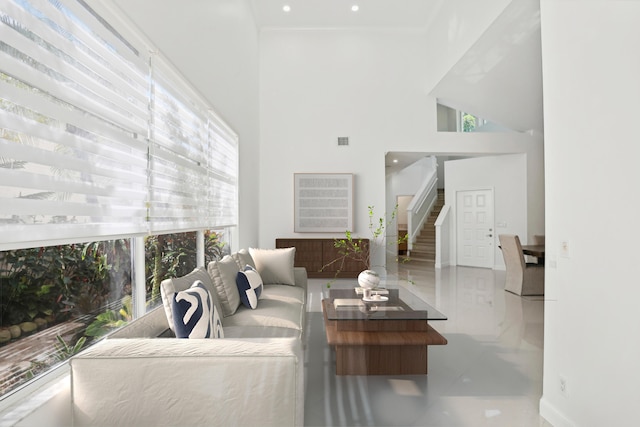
x=443 y=233
x=420 y=207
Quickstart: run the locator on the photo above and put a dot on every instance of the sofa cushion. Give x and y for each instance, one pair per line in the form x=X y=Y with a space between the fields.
x=275 y=265
x=243 y=258
x=168 y=287
x=284 y=293
x=194 y=314
x=249 y=286
x=260 y=332
x=271 y=313
x=223 y=274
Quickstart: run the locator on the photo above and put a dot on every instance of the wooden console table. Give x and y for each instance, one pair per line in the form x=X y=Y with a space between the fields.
x=313 y=254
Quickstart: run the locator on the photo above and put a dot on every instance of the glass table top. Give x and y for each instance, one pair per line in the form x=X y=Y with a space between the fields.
x=394 y=304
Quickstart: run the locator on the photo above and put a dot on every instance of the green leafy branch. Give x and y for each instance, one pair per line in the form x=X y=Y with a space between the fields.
x=356 y=249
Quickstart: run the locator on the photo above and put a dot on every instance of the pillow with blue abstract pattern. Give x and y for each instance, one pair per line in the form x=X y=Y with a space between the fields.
x=194 y=314
x=250 y=286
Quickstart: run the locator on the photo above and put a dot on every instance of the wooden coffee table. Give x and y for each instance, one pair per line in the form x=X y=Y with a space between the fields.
x=380 y=338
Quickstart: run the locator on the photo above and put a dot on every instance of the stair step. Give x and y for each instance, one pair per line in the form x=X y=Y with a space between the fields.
x=424 y=248
x=423 y=251
x=426 y=235
x=422 y=258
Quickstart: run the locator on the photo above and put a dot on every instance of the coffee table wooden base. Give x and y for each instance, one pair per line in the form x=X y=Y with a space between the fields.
x=381 y=360
x=367 y=351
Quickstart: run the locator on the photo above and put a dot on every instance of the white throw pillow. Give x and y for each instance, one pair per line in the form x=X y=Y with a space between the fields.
x=275 y=265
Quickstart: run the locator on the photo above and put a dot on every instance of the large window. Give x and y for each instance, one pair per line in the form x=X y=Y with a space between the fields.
x=101 y=141
x=56 y=300
x=175 y=255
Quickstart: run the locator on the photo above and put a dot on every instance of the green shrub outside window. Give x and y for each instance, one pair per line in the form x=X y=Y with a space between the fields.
x=84 y=291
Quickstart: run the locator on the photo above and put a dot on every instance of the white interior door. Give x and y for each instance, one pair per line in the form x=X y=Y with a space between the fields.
x=474 y=228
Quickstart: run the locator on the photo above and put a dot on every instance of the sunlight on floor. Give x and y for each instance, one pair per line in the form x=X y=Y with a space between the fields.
x=489 y=374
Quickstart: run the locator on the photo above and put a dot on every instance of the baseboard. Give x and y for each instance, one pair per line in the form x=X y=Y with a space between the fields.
x=552 y=415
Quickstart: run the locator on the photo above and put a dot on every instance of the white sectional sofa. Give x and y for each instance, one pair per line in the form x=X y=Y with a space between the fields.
x=142 y=375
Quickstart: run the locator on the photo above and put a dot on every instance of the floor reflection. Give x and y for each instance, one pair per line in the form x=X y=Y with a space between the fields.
x=490 y=372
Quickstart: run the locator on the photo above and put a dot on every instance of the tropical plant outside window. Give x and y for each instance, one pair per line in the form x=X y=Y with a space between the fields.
x=56 y=300
x=468 y=122
x=471 y=123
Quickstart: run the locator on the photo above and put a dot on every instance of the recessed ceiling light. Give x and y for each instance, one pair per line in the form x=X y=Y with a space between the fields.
x=395 y=160
x=355 y=8
x=286 y=8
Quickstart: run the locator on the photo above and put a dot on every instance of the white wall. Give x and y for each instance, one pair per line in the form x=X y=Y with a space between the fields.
x=215 y=46
x=441 y=160
x=444 y=226
x=454 y=30
x=591 y=86
x=455 y=144
x=507 y=176
x=318 y=85
x=408 y=181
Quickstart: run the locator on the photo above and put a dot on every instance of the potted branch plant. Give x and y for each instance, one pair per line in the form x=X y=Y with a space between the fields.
x=353 y=249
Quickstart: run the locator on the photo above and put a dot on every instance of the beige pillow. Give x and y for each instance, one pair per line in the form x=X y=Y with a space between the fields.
x=223 y=274
x=275 y=265
x=243 y=258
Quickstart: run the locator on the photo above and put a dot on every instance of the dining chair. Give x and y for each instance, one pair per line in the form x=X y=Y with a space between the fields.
x=522 y=278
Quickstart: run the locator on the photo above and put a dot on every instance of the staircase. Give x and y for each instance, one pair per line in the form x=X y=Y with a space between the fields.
x=424 y=248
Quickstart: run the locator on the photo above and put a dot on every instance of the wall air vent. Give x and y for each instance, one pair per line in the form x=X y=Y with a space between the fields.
x=343 y=140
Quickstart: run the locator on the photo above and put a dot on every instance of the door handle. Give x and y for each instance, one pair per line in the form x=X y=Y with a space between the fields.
x=489 y=235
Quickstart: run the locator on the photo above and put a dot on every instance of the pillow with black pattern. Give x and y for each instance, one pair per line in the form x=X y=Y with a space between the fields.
x=194 y=314
x=250 y=287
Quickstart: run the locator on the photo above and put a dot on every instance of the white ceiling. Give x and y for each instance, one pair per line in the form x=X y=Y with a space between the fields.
x=411 y=14
x=499 y=78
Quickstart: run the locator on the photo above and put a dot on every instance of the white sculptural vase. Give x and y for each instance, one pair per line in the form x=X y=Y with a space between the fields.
x=368 y=279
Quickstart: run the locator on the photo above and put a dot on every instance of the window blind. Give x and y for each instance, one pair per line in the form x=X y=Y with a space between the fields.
x=193 y=158
x=94 y=143
x=73 y=120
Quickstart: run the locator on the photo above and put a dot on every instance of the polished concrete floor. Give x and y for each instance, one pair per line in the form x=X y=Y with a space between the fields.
x=489 y=373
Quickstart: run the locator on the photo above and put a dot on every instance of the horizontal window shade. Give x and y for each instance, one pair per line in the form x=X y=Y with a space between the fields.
x=98 y=140
x=190 y=185
x=73 y=122
x=68 y=63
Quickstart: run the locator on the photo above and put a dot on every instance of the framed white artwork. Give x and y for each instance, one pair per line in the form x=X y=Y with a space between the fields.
x=323 y=202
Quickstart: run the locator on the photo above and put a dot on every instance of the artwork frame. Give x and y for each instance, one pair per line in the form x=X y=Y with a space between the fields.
x=323 y=202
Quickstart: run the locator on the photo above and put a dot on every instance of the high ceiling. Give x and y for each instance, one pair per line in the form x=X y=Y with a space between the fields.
x=412 y=14
x=502 y=70
x=499 y=78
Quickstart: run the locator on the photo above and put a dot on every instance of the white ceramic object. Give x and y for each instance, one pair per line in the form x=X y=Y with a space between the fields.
x=368 y=279
x=376 y=298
